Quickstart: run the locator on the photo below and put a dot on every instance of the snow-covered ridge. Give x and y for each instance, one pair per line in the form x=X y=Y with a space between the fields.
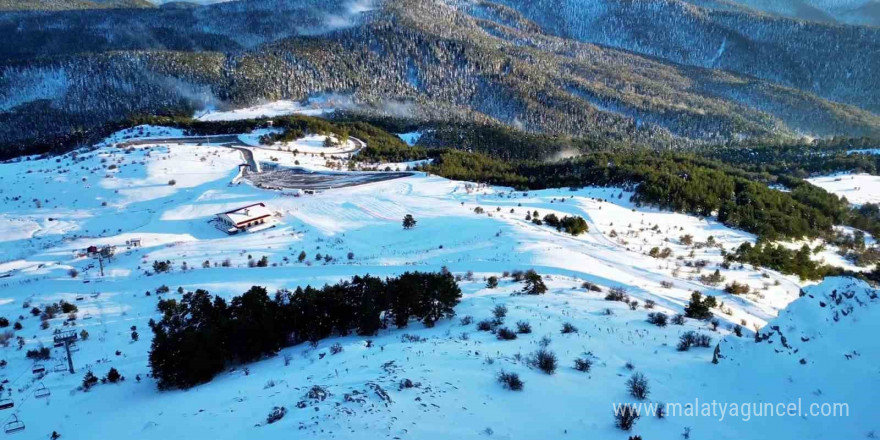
x=821 y=349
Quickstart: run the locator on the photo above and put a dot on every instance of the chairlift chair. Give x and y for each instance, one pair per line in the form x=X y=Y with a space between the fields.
x=42 y=392
x=14 y=425
x=60 y=367
x=6 y=403
x=39 y=369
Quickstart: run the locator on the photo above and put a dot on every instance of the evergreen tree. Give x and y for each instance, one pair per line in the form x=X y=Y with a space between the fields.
x=409 y=221
x=253 y=329
x=534 y=283
x=188 y=345
x=113 y=376
x=89 y=380
x=698 y=307
x=371 y=302
x=438 y=298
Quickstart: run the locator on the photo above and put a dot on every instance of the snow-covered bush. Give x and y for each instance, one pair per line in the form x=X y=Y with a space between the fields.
x=637 y=385
x=505 y=334
x=625 y=416
x=500 y=311
x=484 y=325
x=511 y=381
x=336 y=348
x=658 y=319
x=583 y=364
x=591 y=286
x=617 y=294
x=544 y=360
x=277 y=414
x=569 y=328
x=691 y=338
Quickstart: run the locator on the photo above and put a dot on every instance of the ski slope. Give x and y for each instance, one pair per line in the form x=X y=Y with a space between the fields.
x=110 y=195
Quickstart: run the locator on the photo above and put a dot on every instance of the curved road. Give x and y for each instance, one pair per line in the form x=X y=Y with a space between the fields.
x=232 y=141
x=283 y=178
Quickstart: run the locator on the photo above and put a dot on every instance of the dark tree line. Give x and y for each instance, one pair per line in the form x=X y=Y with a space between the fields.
x=666 y=180
x=800 y=159
x=200 y=334
x=572 y=225
x=782 y=259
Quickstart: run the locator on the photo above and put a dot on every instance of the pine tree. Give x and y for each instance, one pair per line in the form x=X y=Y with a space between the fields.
x=89 y=380
x=253 y=330
x=113 y=376
x=188 y=345
x=534 y=284
x=699 y=308
x=409 y=221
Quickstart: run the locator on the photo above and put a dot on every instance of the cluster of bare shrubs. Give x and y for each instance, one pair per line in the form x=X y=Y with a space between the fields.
x=617 y=294
x=511 y=381
x=691 y=338
x=658 y=319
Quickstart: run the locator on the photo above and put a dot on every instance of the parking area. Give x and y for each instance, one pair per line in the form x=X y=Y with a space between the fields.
x=295 y=178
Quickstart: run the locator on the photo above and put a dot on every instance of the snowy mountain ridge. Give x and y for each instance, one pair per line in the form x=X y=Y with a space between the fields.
x=836 y=303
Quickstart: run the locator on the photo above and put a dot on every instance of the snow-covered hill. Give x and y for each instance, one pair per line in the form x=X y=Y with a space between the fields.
x=417 y=382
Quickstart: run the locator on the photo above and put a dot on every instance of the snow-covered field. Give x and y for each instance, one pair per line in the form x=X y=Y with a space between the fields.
x=53 y=209
x=857 y=188
x=268 y=110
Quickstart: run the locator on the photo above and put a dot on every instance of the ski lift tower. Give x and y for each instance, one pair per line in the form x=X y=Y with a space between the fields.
x=67 y=337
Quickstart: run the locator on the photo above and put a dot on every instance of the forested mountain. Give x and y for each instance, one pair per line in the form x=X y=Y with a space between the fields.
x=58 y=5
x=835 y=62
x=663 y=74
x=861 y=12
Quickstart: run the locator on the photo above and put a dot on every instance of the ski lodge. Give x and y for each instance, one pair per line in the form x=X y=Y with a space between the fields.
x=252 y=218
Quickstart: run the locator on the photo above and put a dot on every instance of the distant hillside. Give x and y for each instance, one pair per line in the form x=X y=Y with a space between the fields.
x=857 y=12
x=835 y=62
x=59 y=5
x=193 y=2
x=657 y=73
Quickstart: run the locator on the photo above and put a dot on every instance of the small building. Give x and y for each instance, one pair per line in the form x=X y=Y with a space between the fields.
x=254 y=217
